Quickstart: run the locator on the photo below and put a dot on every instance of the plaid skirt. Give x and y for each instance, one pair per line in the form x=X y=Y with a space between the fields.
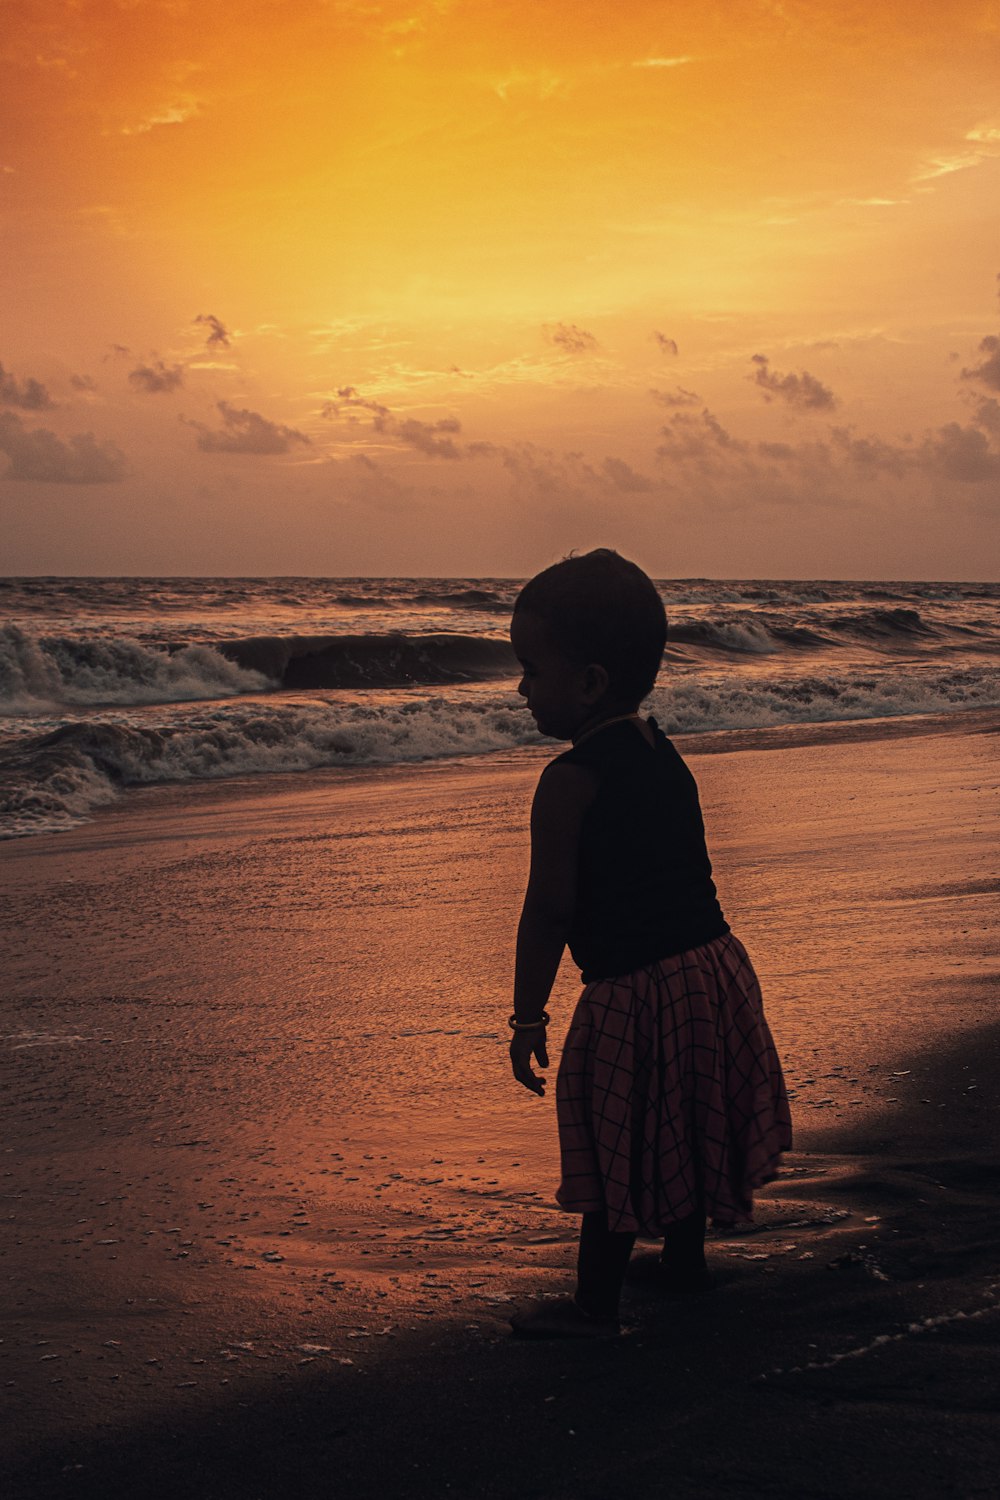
x=669 y=1095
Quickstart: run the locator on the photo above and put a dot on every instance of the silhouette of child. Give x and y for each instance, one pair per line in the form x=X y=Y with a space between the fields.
x=670 y=1100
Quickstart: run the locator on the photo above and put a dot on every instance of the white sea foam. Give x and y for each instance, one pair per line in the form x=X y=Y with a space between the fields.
x=52 y=781
x=699 y=702
x=106 y=683
x=36 y=671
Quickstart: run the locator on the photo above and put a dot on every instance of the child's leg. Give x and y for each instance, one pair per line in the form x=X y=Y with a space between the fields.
x=601 y=1265
x=684 y=1247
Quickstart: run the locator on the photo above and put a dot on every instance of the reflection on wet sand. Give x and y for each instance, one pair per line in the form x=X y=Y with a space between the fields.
x=268 y=1176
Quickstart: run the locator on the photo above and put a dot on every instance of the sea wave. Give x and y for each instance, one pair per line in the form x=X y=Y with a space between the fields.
x=744 y=634
x=768 y=632
x=79 y=669
x=39 y=670
x=91 y=668
x=701 y=702
x=51 y=782
x=367 y=661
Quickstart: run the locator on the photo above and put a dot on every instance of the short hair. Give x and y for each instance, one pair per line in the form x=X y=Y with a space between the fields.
x=601 y=608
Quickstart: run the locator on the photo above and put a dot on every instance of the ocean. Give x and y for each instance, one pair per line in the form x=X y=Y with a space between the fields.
x=107 y=683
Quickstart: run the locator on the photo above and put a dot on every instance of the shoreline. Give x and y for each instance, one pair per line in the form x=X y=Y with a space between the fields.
x=259 y=785
x=264 y=1169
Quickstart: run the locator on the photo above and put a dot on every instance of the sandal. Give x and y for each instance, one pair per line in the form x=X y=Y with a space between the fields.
x=562 y=1318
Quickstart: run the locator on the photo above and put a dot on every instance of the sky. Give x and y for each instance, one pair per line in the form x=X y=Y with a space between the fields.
x=439 y=287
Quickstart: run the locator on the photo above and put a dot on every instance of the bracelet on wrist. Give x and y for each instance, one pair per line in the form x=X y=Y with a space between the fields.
x=516 y=1025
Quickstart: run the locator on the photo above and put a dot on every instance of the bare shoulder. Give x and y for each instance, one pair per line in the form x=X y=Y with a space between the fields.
x=564 y=792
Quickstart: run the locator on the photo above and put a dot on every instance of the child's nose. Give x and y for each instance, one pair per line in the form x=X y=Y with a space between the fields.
x=521 y=687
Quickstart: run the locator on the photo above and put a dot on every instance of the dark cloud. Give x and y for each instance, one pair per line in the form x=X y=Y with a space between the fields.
x=697 y=439
x=987 y=415
x=245 y=431
x=156 y=377
x=782 y=452
x=625 y=478
x=436 y=439
x=666 y=345
x=38 y=454
x=82 y=383
x=963 y=453
x=569 y=338
x=117 y=351
x=349 y=397
x=870 y=454
x=988 y=372
x=430 y=437
x=677 y=397
x=218 y=334
x=29 y=395
x=802 y=391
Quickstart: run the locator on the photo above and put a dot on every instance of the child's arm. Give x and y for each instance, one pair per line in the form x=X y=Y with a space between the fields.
x=563 y=796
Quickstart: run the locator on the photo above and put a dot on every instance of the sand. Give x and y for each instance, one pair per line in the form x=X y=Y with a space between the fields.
x=270 y=1194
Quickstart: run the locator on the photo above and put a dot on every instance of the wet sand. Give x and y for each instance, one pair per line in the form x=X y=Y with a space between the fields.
x=270 y=1194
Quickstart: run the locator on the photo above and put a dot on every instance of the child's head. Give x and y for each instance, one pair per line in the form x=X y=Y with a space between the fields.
x=602 y=616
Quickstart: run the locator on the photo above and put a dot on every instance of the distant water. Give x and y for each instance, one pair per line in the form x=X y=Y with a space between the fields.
x=111 y=682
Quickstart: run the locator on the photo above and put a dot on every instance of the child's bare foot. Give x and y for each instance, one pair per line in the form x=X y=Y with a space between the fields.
x=562 y=1318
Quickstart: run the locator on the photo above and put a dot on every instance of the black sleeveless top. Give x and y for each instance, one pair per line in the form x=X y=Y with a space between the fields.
x=644 y=886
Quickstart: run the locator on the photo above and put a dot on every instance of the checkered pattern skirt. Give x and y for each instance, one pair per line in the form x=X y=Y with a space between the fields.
x=669 y=1095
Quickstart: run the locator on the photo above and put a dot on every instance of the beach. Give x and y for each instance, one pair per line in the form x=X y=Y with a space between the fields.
x=271 y=1193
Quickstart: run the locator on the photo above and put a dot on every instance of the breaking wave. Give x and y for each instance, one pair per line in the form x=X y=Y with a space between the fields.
x=51 y=782
x=766 y=634
x=89 y=670
x=367 y=661
x=40 y=670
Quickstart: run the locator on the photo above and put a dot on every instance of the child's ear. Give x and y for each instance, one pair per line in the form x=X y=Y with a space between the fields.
x=595 y=681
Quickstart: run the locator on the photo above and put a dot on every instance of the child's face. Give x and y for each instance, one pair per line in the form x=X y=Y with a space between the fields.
x=560 y=694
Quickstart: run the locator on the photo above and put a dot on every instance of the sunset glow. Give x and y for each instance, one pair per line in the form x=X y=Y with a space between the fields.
x=451 y=286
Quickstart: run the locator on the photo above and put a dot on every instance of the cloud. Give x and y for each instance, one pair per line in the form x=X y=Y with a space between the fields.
x=542 y=85
x=944 y=165
x=662 y=62
x=987 y=131
x=169 y=114
x=667 y=346
x=988 y=372
x=625 y=478
x=38 y=454
x=987 y=416
x=701 y=439
x=803 y=391
x=245 y=431
x=870 y=454
x=218 y=334
x=426 y=436
x=677 y=397
x=569 y=338
x=437 y=439
x=156 y=377
x=29 y=395
x=963 y=453
x=349 y=396
x=83 y=383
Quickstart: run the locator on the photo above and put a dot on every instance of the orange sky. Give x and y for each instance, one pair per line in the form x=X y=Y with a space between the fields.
x=480 y=282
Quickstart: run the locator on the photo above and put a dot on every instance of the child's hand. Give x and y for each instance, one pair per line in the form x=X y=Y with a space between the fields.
x=523 y=1046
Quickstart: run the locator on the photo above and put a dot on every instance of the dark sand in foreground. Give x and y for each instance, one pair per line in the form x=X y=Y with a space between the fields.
x=269 y=1193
